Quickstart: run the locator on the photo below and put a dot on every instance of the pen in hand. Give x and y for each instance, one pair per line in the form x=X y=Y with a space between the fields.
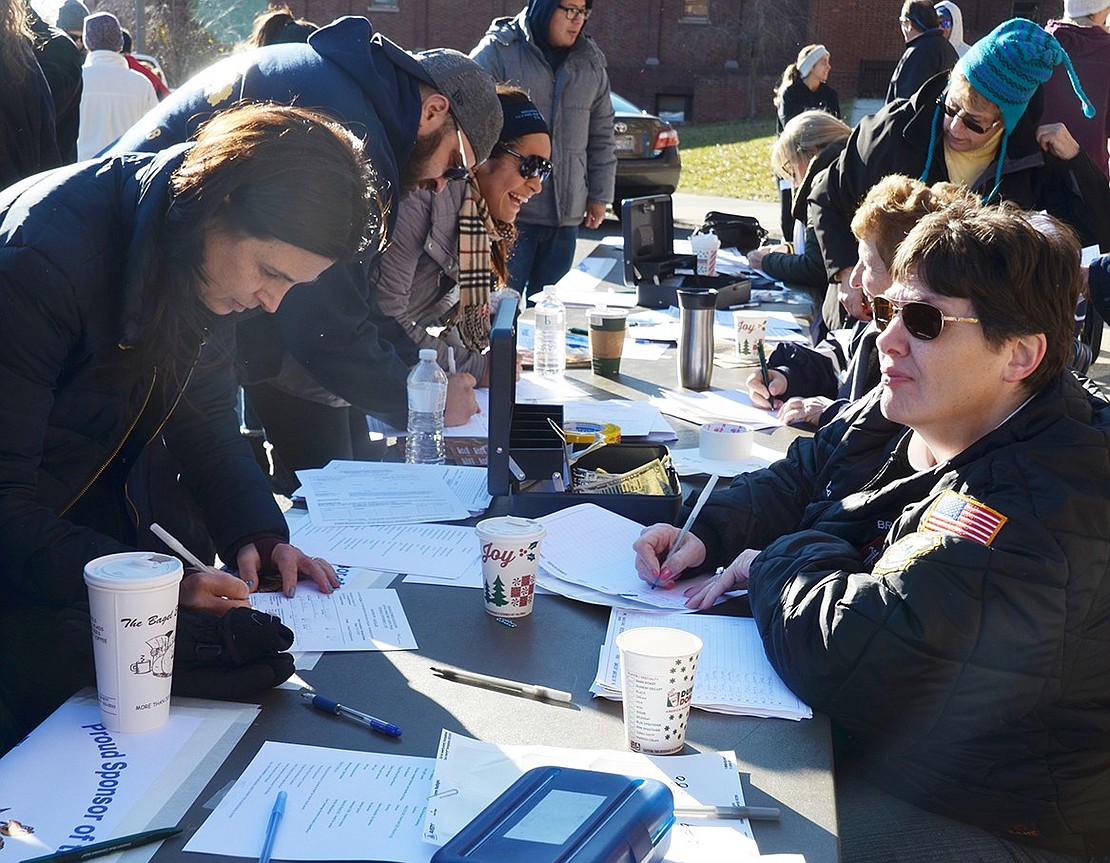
x=327 y=705
x=271 y=827
x=764 y=373
x=451 y=367
x=702 y=498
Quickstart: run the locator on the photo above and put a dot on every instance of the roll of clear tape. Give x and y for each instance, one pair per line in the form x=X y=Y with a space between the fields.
x=725 y=442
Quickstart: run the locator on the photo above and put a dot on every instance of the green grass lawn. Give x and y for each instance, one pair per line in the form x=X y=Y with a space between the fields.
x=730 y=159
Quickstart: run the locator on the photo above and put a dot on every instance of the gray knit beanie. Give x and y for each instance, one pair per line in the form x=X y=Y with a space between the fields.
x=103 y=33
x=72 y=16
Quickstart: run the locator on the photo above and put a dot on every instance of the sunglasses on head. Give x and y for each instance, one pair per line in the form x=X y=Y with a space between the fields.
x=458 y=172
x=960 y=114
x=921 y=320
x=530 y=166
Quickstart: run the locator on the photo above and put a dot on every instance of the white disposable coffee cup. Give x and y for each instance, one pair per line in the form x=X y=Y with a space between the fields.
x=510 y=561
x=751 y=329
x=133 y=605
x=705 y=247
x=657 y=683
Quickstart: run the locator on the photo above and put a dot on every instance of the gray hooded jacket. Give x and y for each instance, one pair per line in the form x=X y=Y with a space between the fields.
x=575 y=102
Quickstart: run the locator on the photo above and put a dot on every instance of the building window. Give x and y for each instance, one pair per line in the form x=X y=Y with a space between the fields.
x=673 y=109
x=1027 y=9
x=695 y=10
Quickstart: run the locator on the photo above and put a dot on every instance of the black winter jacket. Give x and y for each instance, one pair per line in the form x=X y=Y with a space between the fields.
x=972 y=677
x=335 y=330
x=797 y=97
x=925 y=56
x=83 y=392
x=895 y=140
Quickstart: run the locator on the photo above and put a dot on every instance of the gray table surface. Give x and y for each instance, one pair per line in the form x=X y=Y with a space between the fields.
x=782 y=763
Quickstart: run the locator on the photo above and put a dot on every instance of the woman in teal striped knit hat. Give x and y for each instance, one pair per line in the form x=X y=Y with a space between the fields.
x=978 y=127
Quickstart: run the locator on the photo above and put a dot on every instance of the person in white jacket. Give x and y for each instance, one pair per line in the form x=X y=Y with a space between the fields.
x=114 y=96
x=952 y=25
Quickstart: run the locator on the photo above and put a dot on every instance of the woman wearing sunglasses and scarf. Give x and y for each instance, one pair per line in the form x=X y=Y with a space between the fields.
x=978 y=128
x=448 y=249
x=930 y=570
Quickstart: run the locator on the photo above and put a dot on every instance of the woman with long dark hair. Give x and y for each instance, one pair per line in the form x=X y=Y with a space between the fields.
x=118 y=283
x=28 y=141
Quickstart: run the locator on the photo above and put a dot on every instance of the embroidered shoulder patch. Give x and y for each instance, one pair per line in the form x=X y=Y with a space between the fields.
x=903 y=552
x=955 y=514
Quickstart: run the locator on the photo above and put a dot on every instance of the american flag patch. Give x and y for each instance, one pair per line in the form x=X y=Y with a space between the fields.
x=956 y=515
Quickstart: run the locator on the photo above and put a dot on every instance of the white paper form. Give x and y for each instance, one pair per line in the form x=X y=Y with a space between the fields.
x=77 y=783
x=470 y=774
x=476 y=426
x=367 y=492
x=346 y=620
x=715 y=405
x=468 y=483
x=342 y=805
x=592 y=547
x=734 y=675
x=440 y=550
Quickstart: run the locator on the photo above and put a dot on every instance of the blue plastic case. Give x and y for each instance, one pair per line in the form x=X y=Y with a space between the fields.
x=564 y=815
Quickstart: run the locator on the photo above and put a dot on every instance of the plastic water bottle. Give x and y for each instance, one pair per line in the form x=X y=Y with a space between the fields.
x=427 y=391
x=549 y=352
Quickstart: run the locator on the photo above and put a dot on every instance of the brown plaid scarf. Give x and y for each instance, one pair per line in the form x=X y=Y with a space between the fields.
x=476 y=228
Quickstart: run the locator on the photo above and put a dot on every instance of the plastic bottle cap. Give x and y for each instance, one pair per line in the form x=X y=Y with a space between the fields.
x=428 y=353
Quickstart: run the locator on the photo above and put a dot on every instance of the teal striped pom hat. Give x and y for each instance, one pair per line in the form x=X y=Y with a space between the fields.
x=1007 y=66
x=1009 y=63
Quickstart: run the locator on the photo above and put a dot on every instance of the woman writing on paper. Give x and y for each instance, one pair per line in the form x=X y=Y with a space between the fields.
x=118 y=283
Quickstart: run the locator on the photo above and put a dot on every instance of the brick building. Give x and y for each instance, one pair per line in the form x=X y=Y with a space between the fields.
x=696 y=60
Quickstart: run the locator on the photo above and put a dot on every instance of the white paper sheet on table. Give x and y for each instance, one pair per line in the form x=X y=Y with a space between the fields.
x=468 y=483
x=590 y=546
x=342 y=805
x=367 y=492
x=150 y=779
x=441 y=550
x=348 y=619
x=470 y=774
x=733 y=676
x=714 y=405
x=688 y=462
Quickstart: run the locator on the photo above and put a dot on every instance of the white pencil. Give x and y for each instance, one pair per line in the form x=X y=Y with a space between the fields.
x=172 y=541
x=702 y=498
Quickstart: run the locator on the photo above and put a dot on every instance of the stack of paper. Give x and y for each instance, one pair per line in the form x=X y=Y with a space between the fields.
x=715 y=405
x=587 y=555
x=733 y=673
x=366 y=492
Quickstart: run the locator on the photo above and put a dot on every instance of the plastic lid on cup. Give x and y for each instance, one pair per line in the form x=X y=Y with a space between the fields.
x=133 y=570
x=510 y=526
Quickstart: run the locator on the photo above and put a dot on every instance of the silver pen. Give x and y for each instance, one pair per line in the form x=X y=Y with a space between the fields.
x=755 y=813
x=530 y=690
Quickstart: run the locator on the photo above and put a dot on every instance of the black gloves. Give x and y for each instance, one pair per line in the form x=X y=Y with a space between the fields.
x=232 y=656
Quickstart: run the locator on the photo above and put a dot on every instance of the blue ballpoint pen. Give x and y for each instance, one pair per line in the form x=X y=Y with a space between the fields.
x=320 y=702
x=271 y=828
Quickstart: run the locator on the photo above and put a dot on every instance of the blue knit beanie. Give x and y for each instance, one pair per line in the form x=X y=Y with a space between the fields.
x=1007 y=66
x=1009 y=63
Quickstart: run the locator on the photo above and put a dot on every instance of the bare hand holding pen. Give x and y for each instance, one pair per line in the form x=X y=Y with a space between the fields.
x=653 y=548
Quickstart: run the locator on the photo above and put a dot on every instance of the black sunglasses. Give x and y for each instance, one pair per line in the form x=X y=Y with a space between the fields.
x=921 y=320
x=530 y=166
x=971 y=125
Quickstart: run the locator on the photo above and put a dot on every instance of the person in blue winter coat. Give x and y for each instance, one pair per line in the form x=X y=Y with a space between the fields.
x=424 y=117
x=120 y=282
x=545 y=51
